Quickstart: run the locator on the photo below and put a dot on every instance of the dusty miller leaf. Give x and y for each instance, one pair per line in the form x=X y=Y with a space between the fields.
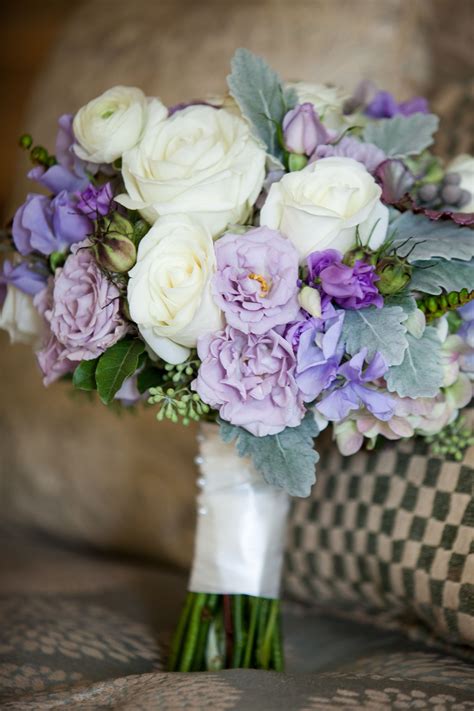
x=420 y=374
x=258 y=91
x=418 y=238
x=434 y=276
x=286 y=460
x=402 y=136
x=381 y=330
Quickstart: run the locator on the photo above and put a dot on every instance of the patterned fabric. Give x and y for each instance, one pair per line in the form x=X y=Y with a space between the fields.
x=389 y=530
x=83 y=631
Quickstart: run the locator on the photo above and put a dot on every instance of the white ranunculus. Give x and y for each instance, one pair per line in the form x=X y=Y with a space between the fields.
x=464 y=166
x=323 y=206
x=327 y=100
x=200 y=161
x=169 y=289
x=20 y=318
x=109 y=125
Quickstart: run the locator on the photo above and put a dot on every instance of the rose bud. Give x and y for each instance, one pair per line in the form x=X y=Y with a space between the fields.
x=302 y=130
x=116 y=253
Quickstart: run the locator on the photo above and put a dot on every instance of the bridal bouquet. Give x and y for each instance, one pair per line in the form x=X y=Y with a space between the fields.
x=270 y=262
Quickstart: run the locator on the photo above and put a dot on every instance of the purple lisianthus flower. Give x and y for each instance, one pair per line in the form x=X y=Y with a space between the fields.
x=44 y=225
x=85 y=315
x=355 y=393
x=366 y=153
x=250 y=379
x=319 y=353
x=95 y=202
x=52 y=357
x=302 y=130
x=384 y=105
x=256 y=281
x=350 y=287
x=29 y=278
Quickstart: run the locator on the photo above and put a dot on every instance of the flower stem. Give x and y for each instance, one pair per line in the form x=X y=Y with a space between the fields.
x=207 y=615
x=180 y=630
x=266 y=648
x=238 y=631
x=193 y=631
x=254 y=603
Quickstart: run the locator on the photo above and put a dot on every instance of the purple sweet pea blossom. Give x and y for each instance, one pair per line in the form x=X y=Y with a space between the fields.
x=95 y=201
x=256 y=280
x=302 y=130
x=384 y=105
x=44 y=225
x=355 y=393
x=366 y=153
x=250 y=379
x=29 y=278
x=350 y=287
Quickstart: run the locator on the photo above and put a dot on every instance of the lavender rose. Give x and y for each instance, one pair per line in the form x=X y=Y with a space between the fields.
x=250 y=379
x=302 y=130
x=256 y=280
x=85 y=316
x=52 y=357
x=350 y=287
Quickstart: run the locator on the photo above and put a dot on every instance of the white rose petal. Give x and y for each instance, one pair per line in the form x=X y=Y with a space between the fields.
x=20 y=318
x=310 y=300
x=323 y=205
x=109 y=125
x=169 y=289
x=200 y=161
x=327 y=100
x=464 y=166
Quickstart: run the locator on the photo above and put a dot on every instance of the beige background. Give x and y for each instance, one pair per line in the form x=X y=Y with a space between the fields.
x=68 y=465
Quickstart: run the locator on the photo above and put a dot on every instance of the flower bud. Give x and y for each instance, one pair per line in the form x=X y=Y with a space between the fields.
x=394 y=275
x=310 y=300
x=302 y=130
x=25 y=141
x=296 y=161
x=118 y=225
x=116 y=253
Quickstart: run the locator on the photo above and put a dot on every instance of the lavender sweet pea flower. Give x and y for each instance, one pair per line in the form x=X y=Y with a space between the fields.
x=95 y=202
x=44 y=225
x=302 y=130
x=355 y=393
x=384 y=105
x=255 y=283
x=350 y=287
x=319 y=353
x=29 y=278
x=85 y=316
x=250 y=379
x=366 y=153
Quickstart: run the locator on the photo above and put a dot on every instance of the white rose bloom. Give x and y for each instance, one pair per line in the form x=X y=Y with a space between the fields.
x=169 y=289
x=200 y=161
x=20 y=318
x=323 y=205
x=109 y=125
x=464 y=166
x=327 y=100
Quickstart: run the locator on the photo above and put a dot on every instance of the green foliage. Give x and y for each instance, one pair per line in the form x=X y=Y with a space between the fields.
x=178 y=404
x=261 y=97
x=453 y=440
x=437 y=275
x=84 y=375
x=286 y=460
x=402 y=136
x=115 y=365
x=381 y=330
x=420 y=374
x=436 y=306
x=418 y=238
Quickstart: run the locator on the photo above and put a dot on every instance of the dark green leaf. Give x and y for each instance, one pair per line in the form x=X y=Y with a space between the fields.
x=115 y=365
x=84 y=375
x=149 y=377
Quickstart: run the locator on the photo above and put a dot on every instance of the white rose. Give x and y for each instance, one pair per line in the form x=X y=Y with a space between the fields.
x=323 y=206
x=109 y=125
x=200 y=161
x=169 y=289
x=327 y=100
x=20 y=318
x=464 y=166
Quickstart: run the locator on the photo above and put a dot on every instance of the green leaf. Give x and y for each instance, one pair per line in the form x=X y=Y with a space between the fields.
x=434 y=276
x=115 y=365
x=420 y=374
x=402 y=136
x=149 y=377
x=418 y=238
x=258 y=91
x=84 y=375
x=286 y=460
x=381 y=330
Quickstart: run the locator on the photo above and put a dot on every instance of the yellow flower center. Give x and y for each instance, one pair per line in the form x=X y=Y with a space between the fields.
x=262 y=281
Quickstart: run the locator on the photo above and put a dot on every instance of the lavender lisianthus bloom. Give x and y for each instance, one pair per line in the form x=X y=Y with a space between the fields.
x=85 y=315
x=366 y=153
x=319 y=353
x=350 y=287
x=29 y=278
x=52 y=357
x=255 y=283
x=250 y=379
x=356 y=393
x=44 y=225
x=302 y=130
x=95 y=202
x=384 y=105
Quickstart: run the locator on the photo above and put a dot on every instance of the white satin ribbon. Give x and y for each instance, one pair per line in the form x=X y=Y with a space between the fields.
x=241 y=524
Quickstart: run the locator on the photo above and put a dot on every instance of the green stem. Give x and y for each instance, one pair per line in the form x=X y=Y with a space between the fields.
x=277 y=648
x=199 y=661
x=237 y=619
x=254 y=608
x=180 y=629
x=266 y=649
x=262 y=620
x=192 y=634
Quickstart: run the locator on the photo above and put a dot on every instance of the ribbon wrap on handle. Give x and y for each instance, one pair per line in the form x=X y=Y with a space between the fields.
x=241 y=524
